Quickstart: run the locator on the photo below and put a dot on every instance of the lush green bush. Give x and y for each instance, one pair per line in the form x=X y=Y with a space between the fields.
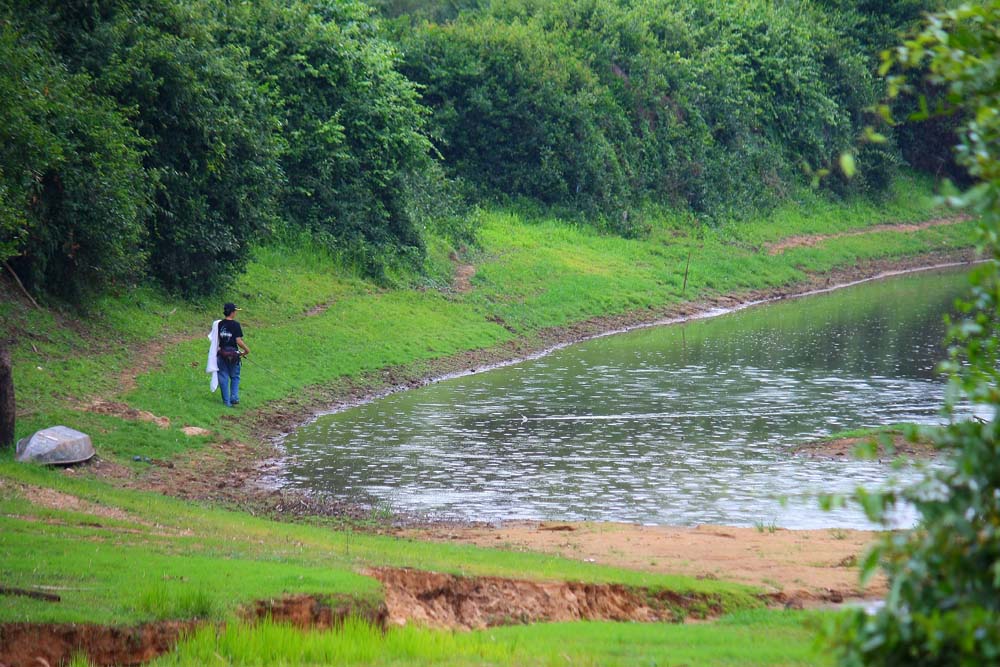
x=598 y=104
x=943 y=606
x=879 y=24
x=210 y=155
x=246 y=116
x=166 y=136
x=437 y=11
x=350 y=122
x=520 y=115
x=72 y=192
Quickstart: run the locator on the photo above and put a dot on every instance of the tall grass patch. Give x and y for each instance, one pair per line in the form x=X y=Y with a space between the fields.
x=751 y=639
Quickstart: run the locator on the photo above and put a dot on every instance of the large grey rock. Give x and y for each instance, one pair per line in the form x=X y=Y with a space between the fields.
x=58 y=445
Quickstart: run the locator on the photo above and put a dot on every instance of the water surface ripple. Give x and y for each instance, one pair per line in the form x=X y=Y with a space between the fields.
x=683 y=424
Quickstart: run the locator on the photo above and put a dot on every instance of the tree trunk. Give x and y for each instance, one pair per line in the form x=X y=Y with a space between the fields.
x=6 y=398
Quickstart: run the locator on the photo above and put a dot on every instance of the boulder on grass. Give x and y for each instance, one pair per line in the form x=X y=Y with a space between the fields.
x=58 y=445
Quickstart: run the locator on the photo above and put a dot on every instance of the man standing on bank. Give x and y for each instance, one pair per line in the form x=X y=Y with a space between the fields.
x=230 y=338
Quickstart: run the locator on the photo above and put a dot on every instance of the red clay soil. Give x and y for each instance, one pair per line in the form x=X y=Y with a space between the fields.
x=448 y=601
x=319 y=612
x=426 y=598
x=41 y=644
x=51 y=644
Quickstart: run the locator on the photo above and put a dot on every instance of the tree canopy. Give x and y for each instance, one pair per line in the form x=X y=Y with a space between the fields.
x=162 y=139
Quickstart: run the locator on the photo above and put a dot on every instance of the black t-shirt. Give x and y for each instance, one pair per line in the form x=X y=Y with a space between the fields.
x=229 y=331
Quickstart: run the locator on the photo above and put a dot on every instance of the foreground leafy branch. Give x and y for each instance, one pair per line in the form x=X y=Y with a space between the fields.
x=943 y=606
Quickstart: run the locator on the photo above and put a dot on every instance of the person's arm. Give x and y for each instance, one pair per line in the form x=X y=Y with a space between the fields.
x=246 y=350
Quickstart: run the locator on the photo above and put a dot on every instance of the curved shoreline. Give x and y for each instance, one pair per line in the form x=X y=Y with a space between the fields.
x=245 y=474
x=618 y=324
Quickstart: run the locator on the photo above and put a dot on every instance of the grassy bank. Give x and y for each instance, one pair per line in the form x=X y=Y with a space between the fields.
x=309 y=324
x=118 y=555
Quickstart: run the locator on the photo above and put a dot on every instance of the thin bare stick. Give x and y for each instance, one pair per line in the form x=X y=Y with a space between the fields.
x=38 y=595
x=21 y=285
x=686 y=267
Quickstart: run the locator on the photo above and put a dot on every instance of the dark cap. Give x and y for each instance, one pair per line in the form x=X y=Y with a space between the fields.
x=229 y=309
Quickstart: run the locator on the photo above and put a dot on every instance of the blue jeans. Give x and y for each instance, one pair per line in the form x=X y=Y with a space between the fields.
x=229 y=381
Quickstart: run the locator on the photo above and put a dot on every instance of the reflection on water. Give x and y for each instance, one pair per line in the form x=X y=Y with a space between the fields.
x=680 y=424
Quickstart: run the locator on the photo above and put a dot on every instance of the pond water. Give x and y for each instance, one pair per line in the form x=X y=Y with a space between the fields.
x=679 y=424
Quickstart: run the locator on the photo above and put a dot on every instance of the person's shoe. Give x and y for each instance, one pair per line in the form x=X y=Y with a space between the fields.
x=236 y=402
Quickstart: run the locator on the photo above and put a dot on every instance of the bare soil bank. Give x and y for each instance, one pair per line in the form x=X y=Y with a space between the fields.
x=842 y=449
x=427 y=598
x=796 y=567
x=42 y=644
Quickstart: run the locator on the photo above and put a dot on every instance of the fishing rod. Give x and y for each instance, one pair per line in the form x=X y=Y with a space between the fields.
x=243 y=356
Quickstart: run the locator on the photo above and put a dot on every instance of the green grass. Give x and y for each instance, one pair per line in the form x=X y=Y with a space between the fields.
x=745 y=639
x=122 y=556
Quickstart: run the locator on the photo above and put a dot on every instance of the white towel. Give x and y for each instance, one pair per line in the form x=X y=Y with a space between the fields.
x=213 y=361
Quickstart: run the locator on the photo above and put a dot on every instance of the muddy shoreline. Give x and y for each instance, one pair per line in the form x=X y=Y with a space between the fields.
x=243 y=475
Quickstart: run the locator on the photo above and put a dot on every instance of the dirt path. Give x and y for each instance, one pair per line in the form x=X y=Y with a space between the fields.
x=804 y=567
x=784 y=244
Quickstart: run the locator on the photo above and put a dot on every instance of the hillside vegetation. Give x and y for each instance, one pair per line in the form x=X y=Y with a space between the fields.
x=162 y=140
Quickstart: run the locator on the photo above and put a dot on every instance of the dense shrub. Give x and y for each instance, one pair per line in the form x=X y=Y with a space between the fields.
x=350 y=122
x=437 y=11
x=246 y=116
x=519 y=115
x=210 y=154
x=718 y=106
x=72 y=189
x=167 y=136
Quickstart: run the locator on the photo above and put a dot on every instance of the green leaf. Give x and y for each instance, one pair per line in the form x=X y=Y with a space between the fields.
x=869 y=565
x=847 y=164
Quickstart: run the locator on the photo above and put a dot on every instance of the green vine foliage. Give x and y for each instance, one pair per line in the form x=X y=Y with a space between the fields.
x=943 y=606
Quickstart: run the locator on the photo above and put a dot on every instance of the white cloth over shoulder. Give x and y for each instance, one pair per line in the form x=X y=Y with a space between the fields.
x=213 y=361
